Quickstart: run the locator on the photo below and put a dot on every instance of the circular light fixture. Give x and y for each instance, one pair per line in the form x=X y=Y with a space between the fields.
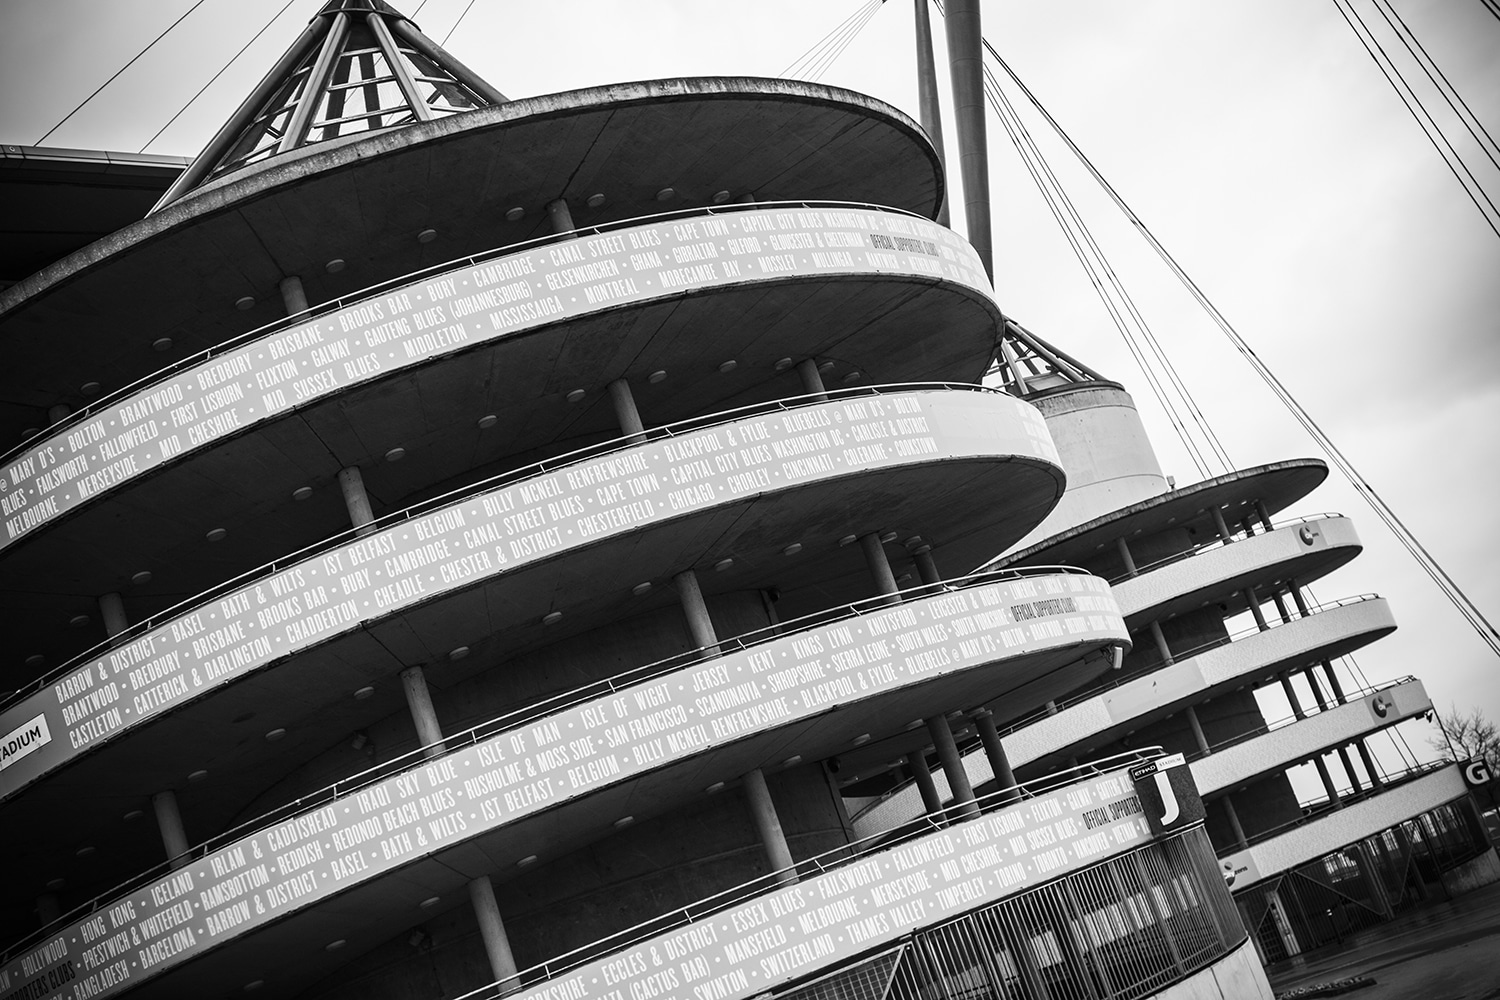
x=427 y=236
x=717 y=786
x=396 y=454
x=530 y=859
x=914 y=724
x=792 y=761
x=30 y=433
x=552 y=618
x=575 y=395
x=782 y=364
x=848 y=540
x=244 y=302
x=334 y=266
x=665 y=194
x=825 y=367
x=84 y=851
x=35 y=660
x=78 y=620
x=142 y=578
x=302 y=493
x=134 y=815
x=720 y=197
x=660 y=375
x=641 y=588
x=275 y=734
x=89 y=388
x=887 y=538
x=515 y=214
x=335 y=945
x=198 y=775
x=458 y=652
x=851 y=378
x=216 y=534
x=363 y=693
x=57 y=883
x=728 y=366
x=487 y=421
x=254 y=985
x=161 y=344
x=861 y=739
x=595 y=200
x=429 y=902
x=792 y=549
x=623 y=821
x=723 y=564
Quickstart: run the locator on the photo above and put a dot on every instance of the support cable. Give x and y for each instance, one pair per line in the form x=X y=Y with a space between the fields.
x=220 y=73
x=803 y=64
x=1430 y=566
x=117 y=73
x=460 y=20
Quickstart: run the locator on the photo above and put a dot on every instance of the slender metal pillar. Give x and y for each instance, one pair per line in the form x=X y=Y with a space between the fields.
x=1333 y=793
x=1254 y=603
x=880 y=566
x=768 y=825
x=1263 y=514
x=560 y=216
x=1281 y=608
x=1161 y=642
x=994 y=752
x=929 y=110
x=1234 y=822
x=423 y=715
x=927 y=570
x=169 y=822
x=1193 y=724
x=1349 y=770
x=1333 y=683
x=1221 y=527
x=626 y=414
x=966 y=70
x=1298 y=599
x=492 y=933
x=292 y=295
x=112 y=610
x=317 y=81
x=917 y=762
x=1126 y=557
x=812 y=379
x=352 y=485
x=700 y=625
x=953 y=768
x=1312 y=682
x=1291 y=694
x=1369 y=761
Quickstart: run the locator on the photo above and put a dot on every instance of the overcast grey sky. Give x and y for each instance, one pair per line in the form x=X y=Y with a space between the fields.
x=1255 y=137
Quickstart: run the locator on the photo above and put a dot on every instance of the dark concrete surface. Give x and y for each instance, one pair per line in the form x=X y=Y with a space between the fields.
x=1450 y=951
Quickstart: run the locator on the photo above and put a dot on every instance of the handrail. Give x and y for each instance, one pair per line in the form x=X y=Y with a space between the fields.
x=1095 y=691
x=1270 y=727
x=1219 y=543
x=556 y=703
x=816 y=865
x=468 y=492
x=332 y=305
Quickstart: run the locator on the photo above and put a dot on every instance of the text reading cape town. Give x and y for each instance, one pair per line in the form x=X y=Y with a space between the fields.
x=462 y=308
x=545 y=764
x=485 y=539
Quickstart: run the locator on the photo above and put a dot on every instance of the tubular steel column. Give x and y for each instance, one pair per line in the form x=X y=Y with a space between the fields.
x=419 y=701
x=917 y=761
x=927 y=570
x=112 y=610
x=1291 y=694
x=812 y=379
x=561 y=217
x=292 y=295
x=1254 y=603
x=1349 y=770
x=492 y=933
x=700 y=625
x=1369 y=759
x=994 y=751
x=1126 y=557
x=352 y=485
x=625 y=412
x=966 y=69
x=880 y=566
x=929 y=110
x=953 y=768
x=1234 y=823
x=1161 y=643
x=1221 y=527
x=768 y=824
x=1333 y=793
x=1333 y=682
x=1192 y=717
x=169 y=822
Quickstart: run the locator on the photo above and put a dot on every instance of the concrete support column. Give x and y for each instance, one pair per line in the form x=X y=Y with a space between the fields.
x=812 y=379
x=994 y=752
x=927 y=570
x=928 y=109
x=1298 y=599
x=560 y=216
x=917 y=762
x=1126 y=557
x=1291 y=694
x=1312 y=682
x=768 y=825
x=352 y=485
x=419 y=702
x=625 y=412
x=1240 y=839
x=880 y=566
x=1369 y=761
x=1333 y=793
x=492 y=933
x=1349 y=769
x=1161 y=643
x=1281 y=608
x=292 y=295
x=1197 y=728
x=1221 y=527
x=953 y=768
x=112 y=610
x=1254 y=602
x=1333 y=683
x=695 y=609
x=169 y=822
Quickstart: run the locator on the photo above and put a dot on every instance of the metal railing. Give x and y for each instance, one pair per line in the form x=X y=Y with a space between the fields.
x=468 y=492
x=555 y=703
x=333 y=305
